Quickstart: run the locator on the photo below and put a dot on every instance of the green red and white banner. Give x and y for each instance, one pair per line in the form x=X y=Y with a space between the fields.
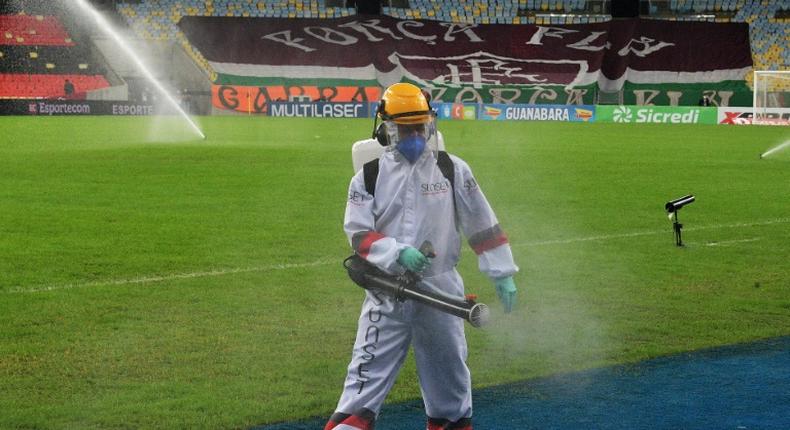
x=670 y=62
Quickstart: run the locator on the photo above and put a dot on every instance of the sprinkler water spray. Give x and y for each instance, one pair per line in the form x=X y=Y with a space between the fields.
x=775 y=149
x=105 y=26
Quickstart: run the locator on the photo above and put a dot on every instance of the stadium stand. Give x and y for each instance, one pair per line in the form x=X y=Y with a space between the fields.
x=38 y=55
x=35 y=30
x=157 y=19
x=768 y=22
x=503 y=11
x=769 y=34
x=40 y=86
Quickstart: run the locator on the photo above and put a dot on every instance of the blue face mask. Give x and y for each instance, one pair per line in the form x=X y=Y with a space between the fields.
x=411 y=147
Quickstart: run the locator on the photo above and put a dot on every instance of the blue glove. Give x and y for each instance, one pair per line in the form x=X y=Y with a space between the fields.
x=506 y=290
x=412 y=259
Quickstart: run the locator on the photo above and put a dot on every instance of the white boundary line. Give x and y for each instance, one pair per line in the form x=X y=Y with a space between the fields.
x=729 y=242
x=741 y=224
x=584 y=239
x=287 y=266
x=153 y=279
x=648 y=233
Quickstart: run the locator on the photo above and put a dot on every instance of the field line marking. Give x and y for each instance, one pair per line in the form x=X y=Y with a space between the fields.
x=647 y=233
x=323 y=262
x=153 y=279
x=728 y=242
x=740 y=224
x=583 y=239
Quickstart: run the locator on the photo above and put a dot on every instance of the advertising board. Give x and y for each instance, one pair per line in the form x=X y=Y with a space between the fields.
x=657 y=114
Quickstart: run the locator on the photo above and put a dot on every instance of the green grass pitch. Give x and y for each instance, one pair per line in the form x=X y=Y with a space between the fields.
x=148 y=281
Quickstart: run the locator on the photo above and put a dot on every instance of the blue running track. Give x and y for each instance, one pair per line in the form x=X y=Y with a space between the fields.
x=736 y=387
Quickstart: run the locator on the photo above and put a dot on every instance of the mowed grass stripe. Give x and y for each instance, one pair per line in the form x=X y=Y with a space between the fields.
x=287 y=266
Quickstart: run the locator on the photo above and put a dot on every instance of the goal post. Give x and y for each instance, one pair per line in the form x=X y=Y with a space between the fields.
x=771 y=103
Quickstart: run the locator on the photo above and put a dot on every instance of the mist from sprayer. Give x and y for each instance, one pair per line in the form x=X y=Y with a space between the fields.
x=164 y=128
x=555 y=327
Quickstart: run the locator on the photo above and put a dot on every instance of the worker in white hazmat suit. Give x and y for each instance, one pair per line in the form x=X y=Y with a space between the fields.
x=410 y=200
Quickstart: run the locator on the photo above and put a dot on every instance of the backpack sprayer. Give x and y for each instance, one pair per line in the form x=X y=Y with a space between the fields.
x=404 y=287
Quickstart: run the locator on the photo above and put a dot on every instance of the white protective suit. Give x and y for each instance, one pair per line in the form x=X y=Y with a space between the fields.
x=414 y=203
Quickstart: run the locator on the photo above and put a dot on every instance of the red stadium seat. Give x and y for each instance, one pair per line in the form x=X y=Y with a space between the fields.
x=48 y=86
x=33 y=30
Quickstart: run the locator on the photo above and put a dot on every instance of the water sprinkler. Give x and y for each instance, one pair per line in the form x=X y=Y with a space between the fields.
x=109 y=31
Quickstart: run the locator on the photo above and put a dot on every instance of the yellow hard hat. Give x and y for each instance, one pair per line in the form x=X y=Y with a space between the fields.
x=404 y=103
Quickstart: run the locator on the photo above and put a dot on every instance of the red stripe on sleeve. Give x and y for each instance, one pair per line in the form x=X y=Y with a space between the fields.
x=367 y=242
x=492 y=243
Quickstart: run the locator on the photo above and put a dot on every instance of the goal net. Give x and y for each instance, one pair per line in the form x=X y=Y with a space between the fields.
x=771 y=97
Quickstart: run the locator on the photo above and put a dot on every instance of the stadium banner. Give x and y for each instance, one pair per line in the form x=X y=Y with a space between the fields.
x=319 y=110
x=457 y=111
x=254 y=99
x=76 y=107
x=728 y=93
x=770 y=116
x=477 y=63
x=735 y=116
x=500 y=112
x=657 y=114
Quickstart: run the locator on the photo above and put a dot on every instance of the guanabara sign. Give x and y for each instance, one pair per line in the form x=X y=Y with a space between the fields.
x=468 y=62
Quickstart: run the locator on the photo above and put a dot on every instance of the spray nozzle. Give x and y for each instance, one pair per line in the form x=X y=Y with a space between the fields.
x=427 y=249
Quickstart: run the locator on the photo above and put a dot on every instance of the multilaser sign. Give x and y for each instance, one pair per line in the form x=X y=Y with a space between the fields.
x=657 y=114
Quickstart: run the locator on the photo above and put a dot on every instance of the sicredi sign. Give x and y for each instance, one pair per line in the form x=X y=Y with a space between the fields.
x=657 y=114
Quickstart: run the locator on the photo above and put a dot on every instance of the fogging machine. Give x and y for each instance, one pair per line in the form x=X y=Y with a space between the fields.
x=404 y=287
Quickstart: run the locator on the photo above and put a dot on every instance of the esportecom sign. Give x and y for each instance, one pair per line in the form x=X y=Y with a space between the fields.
x=75 y=107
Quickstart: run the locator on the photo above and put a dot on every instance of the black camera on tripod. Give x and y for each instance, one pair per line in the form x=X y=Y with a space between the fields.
x=673 y=206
